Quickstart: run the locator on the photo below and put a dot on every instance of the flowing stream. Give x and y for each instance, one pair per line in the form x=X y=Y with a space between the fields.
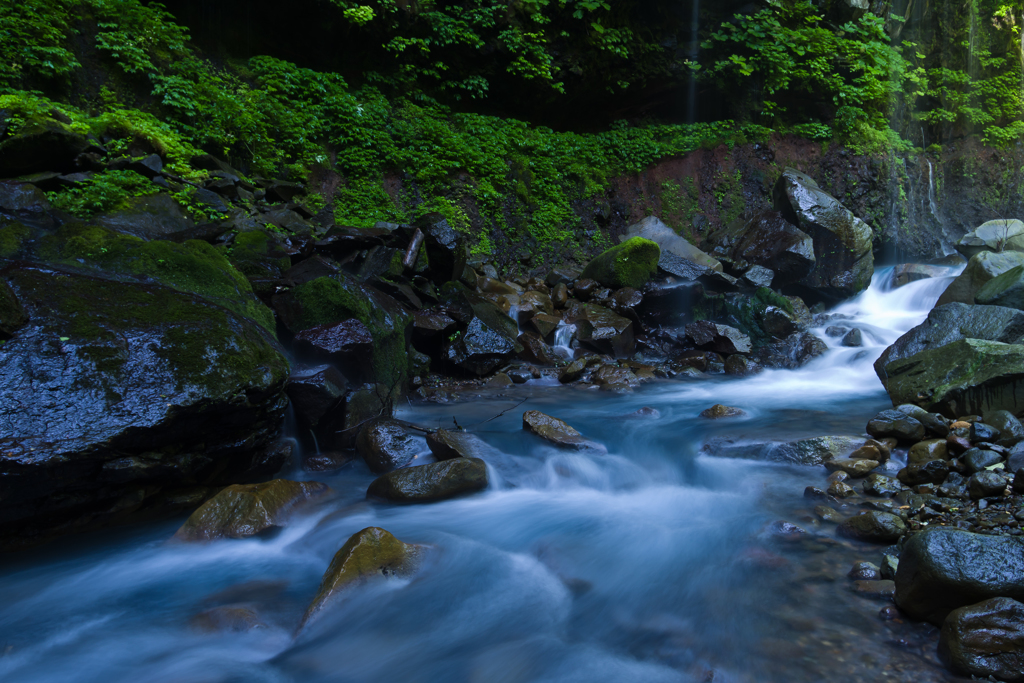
x=651 y=563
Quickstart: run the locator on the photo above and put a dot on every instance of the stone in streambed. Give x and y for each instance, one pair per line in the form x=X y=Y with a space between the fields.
x=985 y=639
x=427 y=483
x=933 y=422
x=827 y=514
x=385 y=445
x=985 y=485
x=718 y=411
x=864 y=571
x=926 y=451
x=246 y=510
x=840 y=490
x=895 y=424
x=556 y=431
x=874 y=526
x=1011 y=431
x=977 y=460
x=942 y=569
x=372 y=553
x=449 y=444
x=931 y=472
x=881 y=486
x=854 y=468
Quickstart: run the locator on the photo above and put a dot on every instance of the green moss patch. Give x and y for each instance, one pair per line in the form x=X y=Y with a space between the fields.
x=630 y=264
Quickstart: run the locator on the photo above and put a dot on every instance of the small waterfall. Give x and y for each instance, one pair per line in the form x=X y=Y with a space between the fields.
x=931 y=193
x=563 y=339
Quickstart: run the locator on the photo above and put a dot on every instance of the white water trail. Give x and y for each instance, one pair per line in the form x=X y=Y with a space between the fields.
x=563 y=339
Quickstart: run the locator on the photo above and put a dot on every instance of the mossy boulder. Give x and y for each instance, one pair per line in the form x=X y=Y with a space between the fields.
x=257 y=256
x=1004 y=290
x=243 y=510
x=42 y=145
x=967 y=377
x=982 y=267
x=372 y=553
x=333 y=299
x=156 y=216
x=115 y=389
x=428 y=483
x=630 y=264
x=193 y=266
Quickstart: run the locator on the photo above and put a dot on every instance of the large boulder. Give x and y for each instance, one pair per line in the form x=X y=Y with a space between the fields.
x=244 y=510
x=952 y=322
x=943 y=569
x=44 y=145
x=448 y=444
x=1003 y=290
x=770 y=241
x=842 y=242
x=428 y=483
x=445 y=249
x=157 y=216
x=329 y=300
x=1002 y=234
x=630 y=264
x=986 y=639
x=372 y=553
x=605 y=331
x=979 y=270
x=487 y=337
x=968 y=377
x=113 y=390
x=671 y=243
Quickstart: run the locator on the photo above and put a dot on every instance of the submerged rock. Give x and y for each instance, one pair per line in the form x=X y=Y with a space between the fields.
x=248 y=509
x=986 y=639
x=813 y=451
x=630 y=264
x=943 y=569
x=436 y=481
x=718 y=411
x=227 y=618
x=369 y=554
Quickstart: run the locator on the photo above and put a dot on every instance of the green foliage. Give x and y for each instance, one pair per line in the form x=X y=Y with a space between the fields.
x=107 y=191
x=33 y=41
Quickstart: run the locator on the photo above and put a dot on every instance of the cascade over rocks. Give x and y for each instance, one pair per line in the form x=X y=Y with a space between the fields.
x=842 y=242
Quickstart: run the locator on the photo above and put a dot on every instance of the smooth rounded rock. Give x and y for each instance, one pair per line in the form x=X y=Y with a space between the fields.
x=986 y=485
x=719 y=411
x=244 y=510
x=932 y=472
x=926 y=451
x=896 y=424
x=556 y=431
x=385 y=445
x=985 y=639
x=854 y=468
x=976 y=460
x=427 y=483
x=874 y=527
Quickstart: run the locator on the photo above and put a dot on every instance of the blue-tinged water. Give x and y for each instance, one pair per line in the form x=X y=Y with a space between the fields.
x=648 y=564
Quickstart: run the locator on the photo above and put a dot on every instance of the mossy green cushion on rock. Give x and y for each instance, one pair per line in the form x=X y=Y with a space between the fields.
x=630 y=264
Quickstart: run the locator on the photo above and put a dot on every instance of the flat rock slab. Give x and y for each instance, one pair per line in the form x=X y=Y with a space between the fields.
x=557 y=432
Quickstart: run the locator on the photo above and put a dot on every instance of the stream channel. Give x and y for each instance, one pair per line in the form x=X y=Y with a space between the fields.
x=651 y=563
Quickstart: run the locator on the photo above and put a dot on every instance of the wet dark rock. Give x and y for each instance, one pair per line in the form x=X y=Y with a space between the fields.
x=347 y=344
x=985 y=639
x=427 y=483
x=741 y=366
x=446 y=249
x=983 y=432
x=931 y=472
x=842 y=242
x=360 y=405
x=605 y=331
x=875 y=588
x=328 y=461
x=545 y=324
x=758 y=276
x=372 y=553
x=942 y=569
x=718 y=411
x=110 y=386
x=813 y=451
x=957 y=445
x=152 y=217
x=890 y=564
x=560 y=295
x=853 y=338
x=933 y=422
x=895 y=424
x=246 y=510
x=1015 y=460
x=881 y=486
x=446 y=444
x=976 y=460
x=535 y=350
x=874 y=527
x=41 y=146
x=792 y=352
x=781 y=530
x=520 y=375
x=385 y=445
x=1011 y=432
x=871 y=450
x=841 y=490
x=556 y=431
x=671 y=244
x=645 y=413
x=315 y=393
x=719 y=338
x=925 y=451
x=770 y=241
x=23 y=200
x=953 y=322
x=985 y=485
x=967 y=376
x=864 y=571
x=827 y=514
x=854 y=468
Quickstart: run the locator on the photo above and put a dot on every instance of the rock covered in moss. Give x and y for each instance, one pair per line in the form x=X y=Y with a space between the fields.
x=157 y=216
x=982 y=268
x=1006 y=290
x=630 y=264
x=372 y=553
x=428 y=483
x=843 y=260
x=671 y=243
x=243 y=510
x=115 y=389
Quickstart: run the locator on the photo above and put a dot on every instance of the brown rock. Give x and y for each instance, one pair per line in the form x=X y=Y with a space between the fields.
x=986 y=639
x=855 y=468
x=926 y=451
x=244 y=510
x=447 y=445
x=718 y=411
x=556 y=431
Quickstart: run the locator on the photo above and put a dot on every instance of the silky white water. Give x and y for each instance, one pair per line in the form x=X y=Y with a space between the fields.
x=647 y=564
